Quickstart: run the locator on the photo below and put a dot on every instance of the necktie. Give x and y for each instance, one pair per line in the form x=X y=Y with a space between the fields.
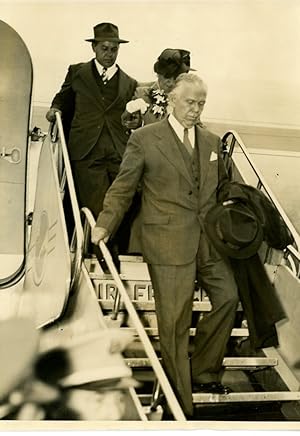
x=104 y=76
x=186 y=141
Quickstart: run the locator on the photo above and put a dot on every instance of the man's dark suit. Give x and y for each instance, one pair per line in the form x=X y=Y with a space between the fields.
x=92 y=120
x=175 y=246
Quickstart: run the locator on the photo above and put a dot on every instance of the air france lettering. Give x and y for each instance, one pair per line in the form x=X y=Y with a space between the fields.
x=137 y=290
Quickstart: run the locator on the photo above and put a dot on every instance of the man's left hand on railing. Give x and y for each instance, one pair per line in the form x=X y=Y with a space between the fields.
x=50 y=115
x=99 y=234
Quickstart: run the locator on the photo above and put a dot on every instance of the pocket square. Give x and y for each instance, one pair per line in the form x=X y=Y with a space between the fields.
x=213 y=156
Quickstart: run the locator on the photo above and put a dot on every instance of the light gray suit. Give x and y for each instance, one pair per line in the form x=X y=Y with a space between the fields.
x=176 y=248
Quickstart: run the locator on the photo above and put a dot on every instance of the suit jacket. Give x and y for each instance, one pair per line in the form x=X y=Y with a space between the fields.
x=172 y=209
x=81 y=103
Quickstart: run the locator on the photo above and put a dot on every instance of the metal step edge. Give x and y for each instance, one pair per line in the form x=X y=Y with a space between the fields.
x=239 y=332
x=246 y=397
x=238 y=397
x=233 y=362
x=201 y=306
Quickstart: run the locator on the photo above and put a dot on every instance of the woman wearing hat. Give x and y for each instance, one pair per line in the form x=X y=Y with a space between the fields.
x=150 y=102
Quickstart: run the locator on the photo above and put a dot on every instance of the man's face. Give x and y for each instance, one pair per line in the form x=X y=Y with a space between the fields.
x=106 y=52
x=165 y=83
x=188 y=103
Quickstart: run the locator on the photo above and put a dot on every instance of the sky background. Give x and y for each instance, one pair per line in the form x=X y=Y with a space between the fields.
x=246 y=50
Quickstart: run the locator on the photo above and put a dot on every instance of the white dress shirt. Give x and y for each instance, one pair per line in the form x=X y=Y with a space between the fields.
x=110 y=72
x=179 y=129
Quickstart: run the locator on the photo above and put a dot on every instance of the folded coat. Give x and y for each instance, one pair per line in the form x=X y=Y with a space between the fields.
x=258 y=296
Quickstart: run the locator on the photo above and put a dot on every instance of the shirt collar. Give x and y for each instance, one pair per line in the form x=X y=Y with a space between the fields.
x=178 y=128
x=110 y=72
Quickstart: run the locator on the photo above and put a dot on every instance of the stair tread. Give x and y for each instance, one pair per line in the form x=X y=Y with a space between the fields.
x=241 y=397
x=153 y=331
x=246 y=397
x=227 y=361
x=203 y=306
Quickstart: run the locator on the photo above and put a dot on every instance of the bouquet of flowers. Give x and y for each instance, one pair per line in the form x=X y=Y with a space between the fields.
x=137 y=105
x=159 y=102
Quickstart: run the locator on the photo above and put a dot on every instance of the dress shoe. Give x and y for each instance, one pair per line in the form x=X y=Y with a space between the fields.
x=211 y=388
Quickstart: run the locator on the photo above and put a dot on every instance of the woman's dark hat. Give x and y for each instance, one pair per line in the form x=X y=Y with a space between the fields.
x=106 y=32
x=234 y=230
x=172 y=62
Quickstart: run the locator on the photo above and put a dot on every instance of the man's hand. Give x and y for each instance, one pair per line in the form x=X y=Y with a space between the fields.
x=131 y=120
x=99 y=234
x=50 y=115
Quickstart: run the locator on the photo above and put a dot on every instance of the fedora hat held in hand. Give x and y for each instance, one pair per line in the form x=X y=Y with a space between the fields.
x=106 y=32
x=234 y=230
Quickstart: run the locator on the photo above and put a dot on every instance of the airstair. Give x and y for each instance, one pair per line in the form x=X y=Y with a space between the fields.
x=259 y=379
x=68 y=294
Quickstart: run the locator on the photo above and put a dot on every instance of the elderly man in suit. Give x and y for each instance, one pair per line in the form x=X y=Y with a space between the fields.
x=176 y=162
x=91 y=101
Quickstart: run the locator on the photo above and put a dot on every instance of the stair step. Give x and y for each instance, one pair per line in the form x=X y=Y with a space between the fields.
x=148 y=306
x=246 y=397
x=228 y=362
x=237 y=397
x=244 y=332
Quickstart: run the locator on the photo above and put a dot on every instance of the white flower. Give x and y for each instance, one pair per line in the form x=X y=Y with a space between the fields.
x=160 y=98
x=158 y=109
x=137 y=105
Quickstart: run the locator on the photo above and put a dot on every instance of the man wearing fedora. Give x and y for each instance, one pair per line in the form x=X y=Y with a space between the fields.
x=177 y=163
x=91 y=102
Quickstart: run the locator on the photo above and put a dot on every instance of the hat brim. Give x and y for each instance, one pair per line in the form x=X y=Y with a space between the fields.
x=120 y=41
x=210 y=222
x=99 y=379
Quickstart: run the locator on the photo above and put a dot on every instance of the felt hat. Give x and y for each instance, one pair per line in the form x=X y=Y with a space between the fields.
x=19 y=341
x=234 y=230
x=106 y=32
x=95 y=358
x=172 y=62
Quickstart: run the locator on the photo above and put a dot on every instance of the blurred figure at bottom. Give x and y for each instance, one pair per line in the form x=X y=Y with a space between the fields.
x=95 y=384
x=22 y=395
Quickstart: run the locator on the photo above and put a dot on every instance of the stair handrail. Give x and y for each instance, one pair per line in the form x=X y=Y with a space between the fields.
x=292 y=253
x=67 y=176
x=156 y=365
x=261 y=182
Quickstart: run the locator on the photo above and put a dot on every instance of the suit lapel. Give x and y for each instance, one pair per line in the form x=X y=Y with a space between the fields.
x=204 y=154
x=87 y=75
x=168 y=147
x=121 y=87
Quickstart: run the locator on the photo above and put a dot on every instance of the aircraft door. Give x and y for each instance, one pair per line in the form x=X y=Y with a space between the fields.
x=15 y=101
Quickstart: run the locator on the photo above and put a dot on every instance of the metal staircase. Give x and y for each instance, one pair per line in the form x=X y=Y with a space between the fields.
x=138 y=286
x=126 y=300
x=260 y=379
